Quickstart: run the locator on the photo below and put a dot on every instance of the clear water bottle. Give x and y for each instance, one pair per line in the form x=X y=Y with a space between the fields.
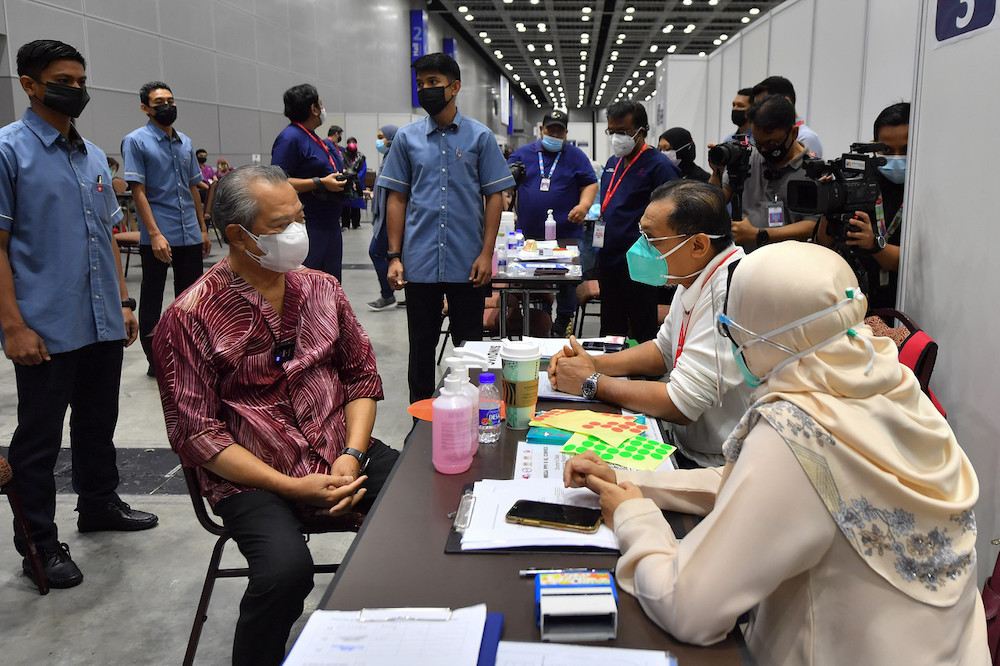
x=489 y=409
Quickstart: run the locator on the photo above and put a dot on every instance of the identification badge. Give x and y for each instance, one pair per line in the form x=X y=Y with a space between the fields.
x=544 y=186
x=776 y=214
x=599 y=229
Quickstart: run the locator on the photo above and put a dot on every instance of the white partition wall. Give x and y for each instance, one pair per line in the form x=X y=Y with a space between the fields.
x=950 y=272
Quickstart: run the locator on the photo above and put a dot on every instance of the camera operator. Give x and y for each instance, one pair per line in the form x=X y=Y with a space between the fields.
x=779 y=85
x=776 y=158
x=875 y=243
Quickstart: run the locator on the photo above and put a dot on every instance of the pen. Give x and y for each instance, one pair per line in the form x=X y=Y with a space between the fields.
x=528 y=573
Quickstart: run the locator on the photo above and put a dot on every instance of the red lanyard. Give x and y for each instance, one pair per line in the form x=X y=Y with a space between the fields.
x=613 y=185
x=322 y=145
x=687 y=319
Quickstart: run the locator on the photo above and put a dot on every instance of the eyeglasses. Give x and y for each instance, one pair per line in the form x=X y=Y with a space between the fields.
x=775 y=146
x=630 y=133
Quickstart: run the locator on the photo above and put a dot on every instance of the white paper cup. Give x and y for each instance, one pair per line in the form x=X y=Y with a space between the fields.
x=520 y=381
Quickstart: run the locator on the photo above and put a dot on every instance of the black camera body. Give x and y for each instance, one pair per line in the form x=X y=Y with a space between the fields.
x=735 y=156
x=353 y=189
x=853 y=186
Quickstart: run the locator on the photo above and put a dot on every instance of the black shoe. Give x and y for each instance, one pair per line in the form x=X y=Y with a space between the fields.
x=150 y=371
x=58 y=567
x=115 y=517
x=562 y=327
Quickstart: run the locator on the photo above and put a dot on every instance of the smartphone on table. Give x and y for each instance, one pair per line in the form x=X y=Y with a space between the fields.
x=555 y=516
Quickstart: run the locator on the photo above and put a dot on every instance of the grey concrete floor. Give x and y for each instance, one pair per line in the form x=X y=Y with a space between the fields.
x=140 y=590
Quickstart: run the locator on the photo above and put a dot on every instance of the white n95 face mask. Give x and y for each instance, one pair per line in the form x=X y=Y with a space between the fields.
x=282 y=252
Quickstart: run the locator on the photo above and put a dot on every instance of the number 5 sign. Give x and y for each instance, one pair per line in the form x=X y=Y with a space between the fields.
x=957 y=19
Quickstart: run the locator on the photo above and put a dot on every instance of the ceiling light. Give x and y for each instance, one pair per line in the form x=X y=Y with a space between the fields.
x=658 y=62
x=585 y=41
x=630 y=10
x=541 y=27
x=537 y=62
x=606 y=77
x=583 y=77
x=509 y=66
x=583 y=55
x=552 y=63
x=555 y=72
x=545 y=81
x=507 y=2
x=531 y=48
x=611 y=68
x=648 y=74
x=701 y=54
x=627 y=17
x=745 y=19
x=723 y=37
x=520 y=27
x=689 y=29
x=643 y=63
x=534 y=2
x=557 y=81
x=668 y=28
x=635 y=90
x=583 y=68
x=462 y=9
x=517 y=77
x=621 y=36
x=487 y=41
x=469 y=17
x=629 y=82
x=542 y=72
x=688 y=2
x=498 y=54
x=483 y=34
x=635 y=73
x=717 y=42
x=618 y=42
x=584 y=35
x=548 y=47
x=586 y=10
x=654 y=48
x=754 y=11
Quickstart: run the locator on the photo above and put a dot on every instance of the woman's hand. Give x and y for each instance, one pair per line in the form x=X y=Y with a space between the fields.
x=578 y=468
x=612 y=496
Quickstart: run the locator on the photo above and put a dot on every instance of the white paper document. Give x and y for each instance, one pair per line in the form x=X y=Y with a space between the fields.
x=538 y=461
x=390 y=637
x=510 y=653
x=488 y=527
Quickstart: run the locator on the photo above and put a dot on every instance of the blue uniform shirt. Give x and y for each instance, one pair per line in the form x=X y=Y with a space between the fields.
x=168 y=168
x=336 y=153
x=624 y=210
x=57 y=203
x=446 y=173
x=573 y=173
x=302 y=155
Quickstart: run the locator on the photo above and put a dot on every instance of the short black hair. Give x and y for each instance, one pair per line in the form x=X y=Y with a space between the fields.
x=299 y=101
x=892 y=116
x=619 y=110
x=774 y=112
x=150 y=87
x=201 y=150
x=699 y=208
x=775 y=85
x=746 y=92
x=334 y=129
x=34 y=57
x=438 y=62
x=351 y=138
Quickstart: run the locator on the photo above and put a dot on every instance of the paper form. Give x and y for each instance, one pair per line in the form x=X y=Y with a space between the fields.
x=510 y=653
x=339 y=638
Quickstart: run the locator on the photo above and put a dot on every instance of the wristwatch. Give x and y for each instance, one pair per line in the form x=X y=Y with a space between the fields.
x=763 y=237
x=879 y=244
x=319 y=184
x=130 y=304
x=362 y=456
x=393 y=255
x=589 y=388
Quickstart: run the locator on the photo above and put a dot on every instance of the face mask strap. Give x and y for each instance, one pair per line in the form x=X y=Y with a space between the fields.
x=852 y=295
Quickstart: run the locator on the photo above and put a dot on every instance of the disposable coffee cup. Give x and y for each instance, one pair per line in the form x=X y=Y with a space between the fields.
x=520 y=381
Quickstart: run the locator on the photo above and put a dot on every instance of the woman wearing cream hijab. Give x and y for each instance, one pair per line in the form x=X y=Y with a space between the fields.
x=842 y=520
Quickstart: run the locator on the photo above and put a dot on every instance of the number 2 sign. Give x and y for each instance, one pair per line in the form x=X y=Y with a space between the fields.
x=958 y=18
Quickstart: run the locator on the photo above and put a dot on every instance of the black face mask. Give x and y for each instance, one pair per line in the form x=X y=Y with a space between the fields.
x=739 y=117
x=202 y=159
x=775 y=155
x=432 y=100
x=165 y=114
x=67 y=100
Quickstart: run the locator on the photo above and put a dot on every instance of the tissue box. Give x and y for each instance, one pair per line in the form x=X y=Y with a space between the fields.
x=581 y=606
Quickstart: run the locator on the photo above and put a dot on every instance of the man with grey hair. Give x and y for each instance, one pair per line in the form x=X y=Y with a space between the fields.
x=269 y=385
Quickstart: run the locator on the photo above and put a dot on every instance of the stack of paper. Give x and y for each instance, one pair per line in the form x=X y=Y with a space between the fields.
x=488 y=527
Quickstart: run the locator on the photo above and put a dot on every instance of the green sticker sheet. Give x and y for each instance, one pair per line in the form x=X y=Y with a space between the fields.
x=638 y=453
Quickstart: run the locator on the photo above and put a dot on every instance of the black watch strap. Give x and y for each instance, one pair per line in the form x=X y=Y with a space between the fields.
x=319 y=184
x=763 y=237
x=393 y=255
x=362 y=456
x=130 y=304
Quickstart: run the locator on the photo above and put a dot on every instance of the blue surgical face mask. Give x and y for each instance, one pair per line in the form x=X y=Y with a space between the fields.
x=648 y=266
x=381 y=146
x=894 y=168
x=552 y=144
x=752 y=380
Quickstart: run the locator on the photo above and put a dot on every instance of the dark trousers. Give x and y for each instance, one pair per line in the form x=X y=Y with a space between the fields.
x=186 y=261
x=376 y=250
x=627 y=307
x=351 y=217
x=267 y=530
x=85 y=380
x=424 y=302
x=326 y=246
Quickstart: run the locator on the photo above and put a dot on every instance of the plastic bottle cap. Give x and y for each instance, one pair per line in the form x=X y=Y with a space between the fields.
x=487 y=378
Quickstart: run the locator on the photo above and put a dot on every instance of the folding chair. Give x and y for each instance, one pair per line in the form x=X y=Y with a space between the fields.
x=349 y=522
x=917 y=350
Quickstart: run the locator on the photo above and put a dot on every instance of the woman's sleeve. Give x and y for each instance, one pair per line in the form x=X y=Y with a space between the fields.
x=683 y=490
x=768 y=525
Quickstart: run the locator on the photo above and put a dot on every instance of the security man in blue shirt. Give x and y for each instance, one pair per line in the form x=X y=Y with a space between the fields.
x=61 y=320
x=441 y=236
x=161 y=167
x=630 y=176
x=560 y=178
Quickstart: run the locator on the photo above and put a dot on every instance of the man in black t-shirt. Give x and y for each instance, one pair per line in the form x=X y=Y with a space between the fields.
x=873 y=249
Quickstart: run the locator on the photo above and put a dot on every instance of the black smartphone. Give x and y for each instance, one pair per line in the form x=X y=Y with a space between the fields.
x=599 y=345
x=555 y=516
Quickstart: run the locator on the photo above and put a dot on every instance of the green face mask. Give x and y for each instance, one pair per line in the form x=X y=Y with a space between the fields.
x=648 y=266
